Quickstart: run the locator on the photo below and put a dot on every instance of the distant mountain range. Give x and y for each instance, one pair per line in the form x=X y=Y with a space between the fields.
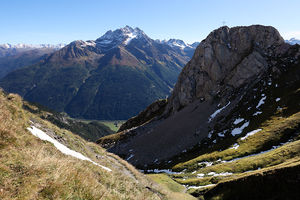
x=293 y=41
x=112 y=77
x=13 y=57
x=31 y=46
x=181 y=45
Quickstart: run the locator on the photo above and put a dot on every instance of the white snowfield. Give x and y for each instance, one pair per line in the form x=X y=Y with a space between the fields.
x=62 y=148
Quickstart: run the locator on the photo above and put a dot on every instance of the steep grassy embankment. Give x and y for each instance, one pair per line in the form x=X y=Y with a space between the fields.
x=34 y=169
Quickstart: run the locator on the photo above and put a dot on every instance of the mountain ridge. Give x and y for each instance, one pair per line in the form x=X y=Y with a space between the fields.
x=14 y=57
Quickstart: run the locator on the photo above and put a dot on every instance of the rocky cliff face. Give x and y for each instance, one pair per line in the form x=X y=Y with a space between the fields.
x=224 y=61
x=228 y=78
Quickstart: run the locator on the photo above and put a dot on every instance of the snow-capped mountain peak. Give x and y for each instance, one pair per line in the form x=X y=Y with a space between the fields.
x=293 y=41
x=176 y=43
x=122 y=36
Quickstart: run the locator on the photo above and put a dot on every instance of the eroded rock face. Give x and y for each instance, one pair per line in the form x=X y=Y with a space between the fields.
x=228 y=57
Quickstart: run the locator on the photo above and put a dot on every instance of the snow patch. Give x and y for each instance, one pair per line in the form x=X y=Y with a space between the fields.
x=239 y=130
x=220 y=174
x=131 y=155
x=212 y=116
x=62 y=148
x=130 y=36
x=262 y=101
x=257 y=113
x=207 y=164
x=221 y=134
x=210 y=134
x=235 y=146
x=238 y=120
x=88 y=43
x=250 y=133
x=199 y=187
x=158 y=171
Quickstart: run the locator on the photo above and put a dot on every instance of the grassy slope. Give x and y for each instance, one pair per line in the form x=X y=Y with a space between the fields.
x=35 y=169
x=273 y=132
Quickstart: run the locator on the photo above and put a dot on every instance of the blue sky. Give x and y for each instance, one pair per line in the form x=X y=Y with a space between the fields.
x=62 y=21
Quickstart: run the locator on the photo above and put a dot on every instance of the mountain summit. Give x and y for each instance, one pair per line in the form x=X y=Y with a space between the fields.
x=122 y=36
x=112 y=77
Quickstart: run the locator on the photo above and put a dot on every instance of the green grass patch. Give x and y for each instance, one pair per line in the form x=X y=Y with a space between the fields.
x=113 y=125
x=165 y=180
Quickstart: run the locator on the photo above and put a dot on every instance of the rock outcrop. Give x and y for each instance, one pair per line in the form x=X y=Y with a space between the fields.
x=227 y=59
x=231 y=63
